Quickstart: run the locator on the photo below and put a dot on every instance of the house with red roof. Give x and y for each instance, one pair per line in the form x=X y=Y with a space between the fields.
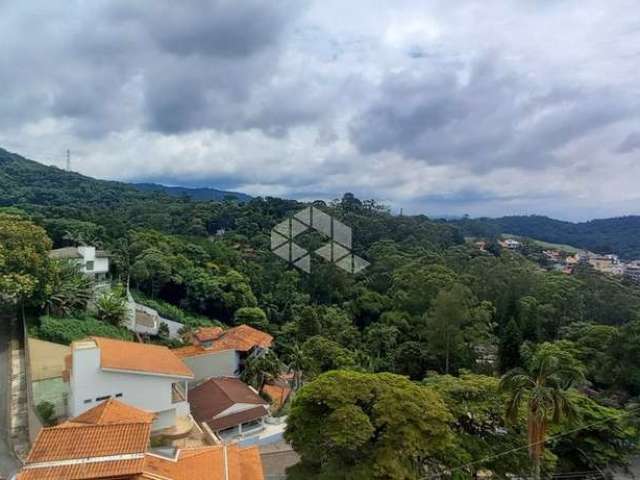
x=150 y=377
x=228 y=407
x=111 y=441
x=215 y=352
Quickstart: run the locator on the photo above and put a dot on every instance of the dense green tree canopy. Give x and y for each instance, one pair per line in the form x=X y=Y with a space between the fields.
x=349 y=425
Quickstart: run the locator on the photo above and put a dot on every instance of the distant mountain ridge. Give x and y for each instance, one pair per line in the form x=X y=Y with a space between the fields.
x=26 y=182
x=194 y=193
x=620 y=235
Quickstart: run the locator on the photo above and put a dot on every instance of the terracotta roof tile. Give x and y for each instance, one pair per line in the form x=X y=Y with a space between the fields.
x=241 y=338
x=215 y=395
x=112 y=412
x=278 y=394
x=85 y=471
x=204 y=334
x=140 y=357
x=84 y=441
x=251 y=464
x=207 y=463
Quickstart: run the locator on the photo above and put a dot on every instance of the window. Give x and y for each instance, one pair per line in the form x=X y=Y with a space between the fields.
x=88 y=400
x=89 y=266
x=118 y=395
x=106 y=397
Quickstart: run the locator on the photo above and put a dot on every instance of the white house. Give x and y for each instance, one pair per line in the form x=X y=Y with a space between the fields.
x=215 y=352
x=150 y=377
x=91 y=261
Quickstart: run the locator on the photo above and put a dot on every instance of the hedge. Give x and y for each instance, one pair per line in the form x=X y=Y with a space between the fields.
x=69 y=329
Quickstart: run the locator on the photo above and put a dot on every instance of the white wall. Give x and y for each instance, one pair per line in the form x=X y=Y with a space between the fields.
x=89 y=381
x=238 y=407
x=217 y=364
x=100 y=264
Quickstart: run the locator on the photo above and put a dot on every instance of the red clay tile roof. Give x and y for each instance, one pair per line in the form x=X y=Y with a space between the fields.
x=204 y=334
x=278 y=394
x=106 y=446
x=234 y=419
x=241 y=338
x=85 y=471
x=111 y=412
x=70 y=442
x=140 y=357
x=218 y=394
x=207 y=463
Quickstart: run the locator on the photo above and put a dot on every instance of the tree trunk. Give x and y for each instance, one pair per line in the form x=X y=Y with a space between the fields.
x=536 y=468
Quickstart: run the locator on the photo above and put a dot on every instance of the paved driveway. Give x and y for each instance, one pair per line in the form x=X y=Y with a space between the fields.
x=8 y=463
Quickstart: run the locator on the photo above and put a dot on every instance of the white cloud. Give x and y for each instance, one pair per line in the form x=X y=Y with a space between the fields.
x=438 y=107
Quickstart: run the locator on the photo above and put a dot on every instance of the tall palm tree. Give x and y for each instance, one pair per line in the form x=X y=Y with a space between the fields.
x=543 y=387
x=296 y=360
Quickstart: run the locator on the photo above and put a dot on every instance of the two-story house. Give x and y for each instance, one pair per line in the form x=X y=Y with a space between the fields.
x=91 y=261
x=215 y=352
x=150 y=377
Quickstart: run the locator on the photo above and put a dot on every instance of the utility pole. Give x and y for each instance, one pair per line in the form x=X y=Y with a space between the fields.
x=68 y=160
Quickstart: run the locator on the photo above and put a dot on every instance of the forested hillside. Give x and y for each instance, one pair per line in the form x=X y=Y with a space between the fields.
x=612 y=235
x=402 y=365
x=193 y=193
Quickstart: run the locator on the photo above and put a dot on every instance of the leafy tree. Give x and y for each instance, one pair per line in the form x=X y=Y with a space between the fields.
x=510 y=343
x=69 y=290
x=411 y=358
x=23 y=259
x=481 y=432
x=46 y=412
x=323 y=354
x=111 y=307
x=380 y=341
x=543 y=387
x=349 y=425
x=445 y=320
x=261 y=367
x=252 y=316
x=308 y=323
x=296 y=365
x=416 y=286
x=608 y=437
x=625 y=353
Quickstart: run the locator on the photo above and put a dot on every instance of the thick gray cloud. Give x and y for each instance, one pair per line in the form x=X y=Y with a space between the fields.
x=448 y=107
x=630 y=144
x=491 y=118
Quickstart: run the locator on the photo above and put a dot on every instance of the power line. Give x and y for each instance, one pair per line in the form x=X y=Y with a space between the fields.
x=68 y=160
x=527 y=446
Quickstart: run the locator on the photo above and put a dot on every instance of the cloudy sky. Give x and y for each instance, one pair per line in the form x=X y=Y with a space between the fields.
x=485 y=107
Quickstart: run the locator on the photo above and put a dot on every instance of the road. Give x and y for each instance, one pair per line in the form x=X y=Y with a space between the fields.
x=8 y=463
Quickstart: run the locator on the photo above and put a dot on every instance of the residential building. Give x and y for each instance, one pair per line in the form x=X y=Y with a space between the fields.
x=228 y=407
x=110 y=441
x=215 y=352
x=91 y=261
x=632 y=271
x=605 y=263
x=511 y=244
x=145 y=376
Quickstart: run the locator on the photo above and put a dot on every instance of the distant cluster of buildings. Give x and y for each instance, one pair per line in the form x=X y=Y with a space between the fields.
x=610 y=264
x=565 y=262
